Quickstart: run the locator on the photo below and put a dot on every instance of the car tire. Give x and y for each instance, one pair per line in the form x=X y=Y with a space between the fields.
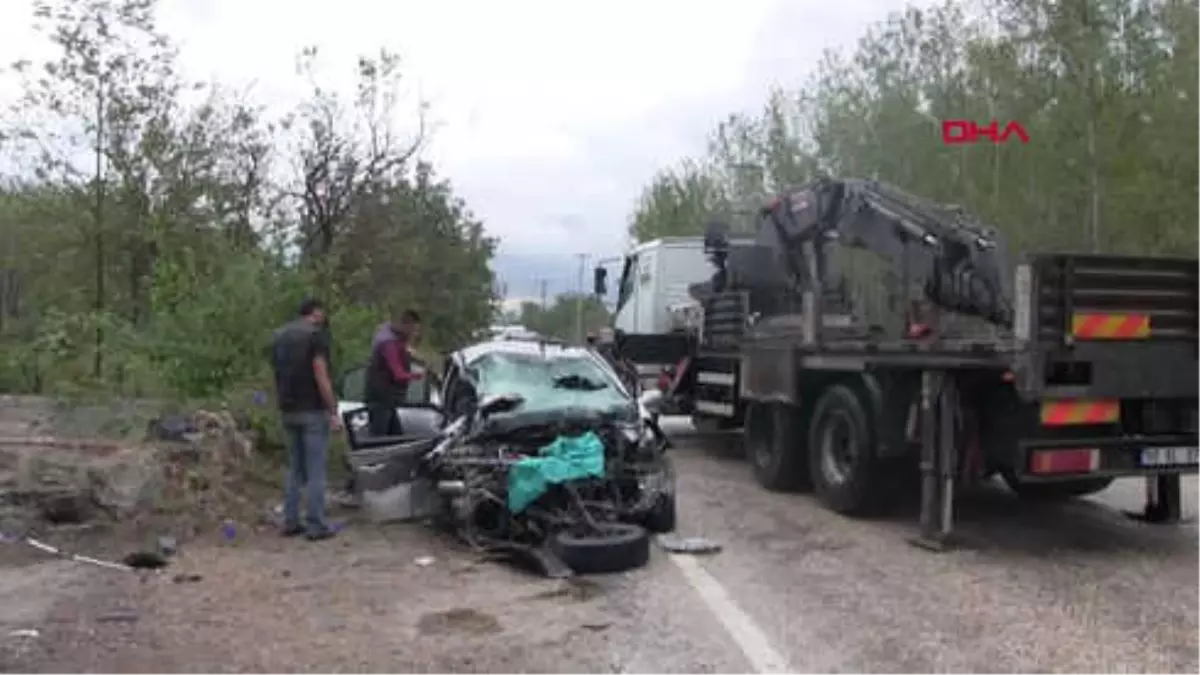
x=847 y=475
x=616 y=548
x=661 y=516
x=774 y=443
x=1058 y=490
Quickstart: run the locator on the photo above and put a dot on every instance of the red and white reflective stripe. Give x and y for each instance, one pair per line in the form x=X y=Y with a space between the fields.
x=1074 y=460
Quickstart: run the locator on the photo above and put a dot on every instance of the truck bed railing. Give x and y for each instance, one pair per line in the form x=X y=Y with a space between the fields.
x=1095 y=297
x=1108 y=326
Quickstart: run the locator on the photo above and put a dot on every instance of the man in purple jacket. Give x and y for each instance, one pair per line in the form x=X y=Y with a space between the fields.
x=390 y=371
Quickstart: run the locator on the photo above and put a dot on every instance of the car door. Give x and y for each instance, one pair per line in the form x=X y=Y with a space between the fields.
x=420 y=416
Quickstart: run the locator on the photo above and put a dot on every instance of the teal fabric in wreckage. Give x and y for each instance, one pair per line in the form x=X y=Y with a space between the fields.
x=566 y=459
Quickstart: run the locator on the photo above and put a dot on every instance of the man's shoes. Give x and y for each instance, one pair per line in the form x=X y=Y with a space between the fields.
x=319 y=535
x=292 y=531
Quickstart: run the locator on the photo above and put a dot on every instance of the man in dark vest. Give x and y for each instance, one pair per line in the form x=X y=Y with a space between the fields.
x=390 y=371
x=300 y=359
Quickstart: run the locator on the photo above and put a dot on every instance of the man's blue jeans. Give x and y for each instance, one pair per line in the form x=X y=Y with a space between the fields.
x=308 y=444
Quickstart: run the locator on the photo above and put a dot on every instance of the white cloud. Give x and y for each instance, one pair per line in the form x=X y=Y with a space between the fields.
x=551 y=114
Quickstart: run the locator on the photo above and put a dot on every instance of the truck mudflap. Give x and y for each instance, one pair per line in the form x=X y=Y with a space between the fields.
x=1107 y=457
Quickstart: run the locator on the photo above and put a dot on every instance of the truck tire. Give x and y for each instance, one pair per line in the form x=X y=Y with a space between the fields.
x=846 y=471
x=774 y=442
x=710 y=424
x=1058 y=490
x=616 y=548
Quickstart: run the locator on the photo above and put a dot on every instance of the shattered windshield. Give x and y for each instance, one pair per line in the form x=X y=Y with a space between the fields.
x=549 y=382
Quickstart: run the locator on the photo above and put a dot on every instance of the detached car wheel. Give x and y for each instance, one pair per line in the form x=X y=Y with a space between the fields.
x=615 y=548
x=1057 y=490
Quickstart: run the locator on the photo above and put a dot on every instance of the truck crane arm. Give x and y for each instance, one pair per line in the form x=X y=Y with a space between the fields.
x=960 y=261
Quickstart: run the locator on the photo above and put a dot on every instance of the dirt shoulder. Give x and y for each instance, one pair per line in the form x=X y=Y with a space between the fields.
x=358 y=603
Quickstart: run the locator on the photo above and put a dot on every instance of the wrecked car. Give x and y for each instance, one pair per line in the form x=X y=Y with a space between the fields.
x=532 y=450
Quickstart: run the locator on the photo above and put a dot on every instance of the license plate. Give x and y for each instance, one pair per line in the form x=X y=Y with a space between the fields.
x=1155 y=457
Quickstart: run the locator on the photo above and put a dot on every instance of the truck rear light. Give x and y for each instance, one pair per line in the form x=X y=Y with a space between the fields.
x=1076 y=460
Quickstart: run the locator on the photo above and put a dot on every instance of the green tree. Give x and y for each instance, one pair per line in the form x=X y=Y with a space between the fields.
x=1106 y=90
x=147 y=246
x=561 y=320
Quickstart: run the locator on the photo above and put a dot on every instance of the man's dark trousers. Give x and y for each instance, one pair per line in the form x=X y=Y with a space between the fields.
x=382 y=419
x=308 y=445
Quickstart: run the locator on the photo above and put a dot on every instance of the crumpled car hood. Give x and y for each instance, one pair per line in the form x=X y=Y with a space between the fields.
x=557 y=418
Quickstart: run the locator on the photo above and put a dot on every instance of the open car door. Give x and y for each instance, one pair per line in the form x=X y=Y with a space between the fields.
x=385 y=468
x=420 y=416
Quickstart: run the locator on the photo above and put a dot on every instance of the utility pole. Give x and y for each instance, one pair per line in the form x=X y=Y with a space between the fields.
x=579 y=298
x=542 y=289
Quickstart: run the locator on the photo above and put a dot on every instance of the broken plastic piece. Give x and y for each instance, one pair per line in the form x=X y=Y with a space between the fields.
x=167 y=546
x=693 y=545
x=424 y=561
x=25 y=632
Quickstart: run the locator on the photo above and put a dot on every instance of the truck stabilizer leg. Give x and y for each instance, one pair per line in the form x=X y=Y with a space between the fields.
x=1164 y=500
x=937 y=463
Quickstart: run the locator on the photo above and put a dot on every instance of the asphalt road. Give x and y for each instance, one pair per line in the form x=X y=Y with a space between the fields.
x=1072 y=588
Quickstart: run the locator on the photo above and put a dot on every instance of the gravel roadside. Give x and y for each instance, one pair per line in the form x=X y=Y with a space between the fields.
x=357 y=603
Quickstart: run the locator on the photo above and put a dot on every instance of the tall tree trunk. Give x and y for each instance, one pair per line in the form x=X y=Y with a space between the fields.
x=98 y=221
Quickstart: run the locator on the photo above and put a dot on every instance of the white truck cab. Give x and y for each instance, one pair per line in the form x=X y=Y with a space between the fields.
x=653 y=284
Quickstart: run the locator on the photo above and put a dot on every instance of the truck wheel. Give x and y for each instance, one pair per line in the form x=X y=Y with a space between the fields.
x=846 y=472
x=1057 y=490
x=774 y=443
x=708 y=424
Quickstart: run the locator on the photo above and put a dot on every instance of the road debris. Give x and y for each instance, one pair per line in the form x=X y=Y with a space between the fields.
x=119 y=616
x=24 y=633
x=46 y=548
x=138 y=560
x=167 y=546
x=145 y=560
x=460 y=620
x=693 y=545
x=424 y=561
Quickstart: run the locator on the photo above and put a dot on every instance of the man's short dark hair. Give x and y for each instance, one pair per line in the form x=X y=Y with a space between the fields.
x=310 y=305
x=410 y=316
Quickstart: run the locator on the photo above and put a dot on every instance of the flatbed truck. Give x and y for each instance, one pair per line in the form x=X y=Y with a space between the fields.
x=1085 y=372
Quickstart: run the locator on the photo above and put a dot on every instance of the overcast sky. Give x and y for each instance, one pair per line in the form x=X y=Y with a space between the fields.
x=551 y=114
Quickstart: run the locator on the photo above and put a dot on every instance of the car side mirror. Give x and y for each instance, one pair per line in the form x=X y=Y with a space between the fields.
x=600 y=281
x=500 y=403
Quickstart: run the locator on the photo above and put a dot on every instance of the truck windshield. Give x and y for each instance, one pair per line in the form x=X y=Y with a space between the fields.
x=628 y=276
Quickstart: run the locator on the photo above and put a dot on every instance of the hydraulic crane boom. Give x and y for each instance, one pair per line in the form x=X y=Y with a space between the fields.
x=959 y=262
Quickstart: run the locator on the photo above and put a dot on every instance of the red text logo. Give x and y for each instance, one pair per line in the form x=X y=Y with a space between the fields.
x=959 y=132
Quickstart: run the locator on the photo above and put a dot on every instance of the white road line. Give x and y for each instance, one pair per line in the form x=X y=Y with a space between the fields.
x=748 y=636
